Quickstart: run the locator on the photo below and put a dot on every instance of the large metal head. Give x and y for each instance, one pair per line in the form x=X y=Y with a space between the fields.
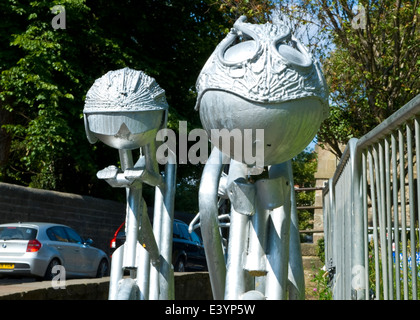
x=261 y=77
x=124 y=109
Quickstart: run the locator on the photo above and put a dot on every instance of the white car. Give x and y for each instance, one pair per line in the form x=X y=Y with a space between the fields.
x=33 y=249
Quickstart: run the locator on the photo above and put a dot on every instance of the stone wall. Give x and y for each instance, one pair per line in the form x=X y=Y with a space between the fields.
x=188 y=286
x=327 y=163
x=90 y=217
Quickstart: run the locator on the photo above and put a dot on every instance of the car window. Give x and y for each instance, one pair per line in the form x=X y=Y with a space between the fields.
x=184 y=232
x=176 y=232
x=195 y=237
x=57 y=234
x=73 y=236
x=17 y=233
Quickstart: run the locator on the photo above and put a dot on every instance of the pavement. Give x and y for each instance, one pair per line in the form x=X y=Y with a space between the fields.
x=74 y=289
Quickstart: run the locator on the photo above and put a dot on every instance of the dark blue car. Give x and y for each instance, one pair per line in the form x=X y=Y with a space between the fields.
x=187 y=248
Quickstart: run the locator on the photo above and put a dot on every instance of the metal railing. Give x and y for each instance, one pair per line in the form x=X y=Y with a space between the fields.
x=371 y=212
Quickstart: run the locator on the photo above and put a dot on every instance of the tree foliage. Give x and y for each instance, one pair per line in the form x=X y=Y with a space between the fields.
x=304 y=166
x=257 y=11
x=370 y=51
x=45 y=74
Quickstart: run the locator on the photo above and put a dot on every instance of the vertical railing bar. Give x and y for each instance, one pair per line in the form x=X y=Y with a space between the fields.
x=396 y=220
x=411 y=210
x=337 y=240
x=375 y=225
x=333 y=235
x=345 y=231
x=382 y=223
x=379 y=170
x=403 y=211
x=388 y=218
x=340 y=212
x=349 y=229
x=327 y=227
x=365 y=223
x=343 y=226
x=417 y=146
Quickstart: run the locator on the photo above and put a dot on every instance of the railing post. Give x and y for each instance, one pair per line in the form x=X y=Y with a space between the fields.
x=358 y=282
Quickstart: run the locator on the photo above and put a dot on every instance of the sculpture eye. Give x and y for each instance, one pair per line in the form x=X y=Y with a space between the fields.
x=293 y=53
x=237 y=48
x=241 y=51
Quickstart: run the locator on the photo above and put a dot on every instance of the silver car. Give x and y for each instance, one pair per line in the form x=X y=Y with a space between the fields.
x=34 y=249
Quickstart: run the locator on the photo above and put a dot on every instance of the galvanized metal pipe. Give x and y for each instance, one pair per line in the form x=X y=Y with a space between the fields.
x=373 y=196
x=403 y=210
x=410 y=177
x=208 y=204
x=388 y=217
x=278 y=241
x=116 y=272
x=396 y=219
x=236 y=276
x=167 y=213
x=359 y=282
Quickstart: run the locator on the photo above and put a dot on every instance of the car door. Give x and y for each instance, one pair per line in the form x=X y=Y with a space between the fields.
x=191 y=248
x=82 y=254
x=201 y=255
x=60 y=241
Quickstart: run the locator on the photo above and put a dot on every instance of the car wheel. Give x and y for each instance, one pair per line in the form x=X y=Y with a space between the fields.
x=48 y=273
x=103 y=269
x=180 y=265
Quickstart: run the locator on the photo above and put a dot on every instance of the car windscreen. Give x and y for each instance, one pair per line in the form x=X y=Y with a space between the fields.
x=17 y=233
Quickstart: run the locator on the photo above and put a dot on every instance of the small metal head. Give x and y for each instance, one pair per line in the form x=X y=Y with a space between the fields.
x=124 y=109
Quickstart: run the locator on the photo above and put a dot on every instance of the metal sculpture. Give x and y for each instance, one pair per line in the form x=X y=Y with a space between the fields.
x=125 y=109
x=258 y=77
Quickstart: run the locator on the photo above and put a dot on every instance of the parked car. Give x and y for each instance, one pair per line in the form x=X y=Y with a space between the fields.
x=33 y=249
x=187 y=248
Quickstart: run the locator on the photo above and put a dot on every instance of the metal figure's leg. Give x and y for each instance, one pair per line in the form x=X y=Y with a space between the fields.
x=116 y=273
x=132 y=227
x=132 y=214
x=166 y=282
x=162 y=287
x=235 y=274
x=143 y=272
x=236 y=277
x=209 y=222
x=157 y=223
x=278 y=242
x=128 y=290
x=147 y=253
x=256 y=258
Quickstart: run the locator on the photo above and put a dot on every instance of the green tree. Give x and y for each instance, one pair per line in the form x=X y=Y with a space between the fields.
x=257 y=11
x=370 y=51
x=43 y=81
x=304 y=166
x=45 y=74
